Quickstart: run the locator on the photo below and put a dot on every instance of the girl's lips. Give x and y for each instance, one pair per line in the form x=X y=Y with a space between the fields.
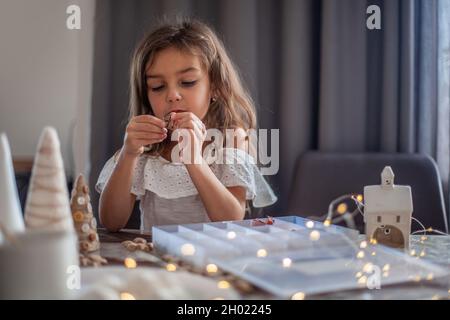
x=176 y=110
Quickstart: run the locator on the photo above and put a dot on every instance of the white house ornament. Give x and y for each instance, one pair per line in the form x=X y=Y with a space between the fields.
x=388 y=211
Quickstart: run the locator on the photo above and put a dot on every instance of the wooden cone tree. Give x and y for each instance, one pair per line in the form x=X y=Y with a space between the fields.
x=83 y=218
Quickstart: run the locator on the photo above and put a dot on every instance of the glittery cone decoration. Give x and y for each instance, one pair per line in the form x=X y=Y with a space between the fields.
x=83 y=218
x=47 y=205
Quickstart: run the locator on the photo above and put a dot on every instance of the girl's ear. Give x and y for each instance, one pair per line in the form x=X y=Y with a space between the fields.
x=213 y=96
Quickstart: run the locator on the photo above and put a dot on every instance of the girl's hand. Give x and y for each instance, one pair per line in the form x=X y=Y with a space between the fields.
x=195 y=131
x=141 y=131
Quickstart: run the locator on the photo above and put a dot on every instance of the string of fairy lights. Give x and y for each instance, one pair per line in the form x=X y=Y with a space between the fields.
x=338 y=211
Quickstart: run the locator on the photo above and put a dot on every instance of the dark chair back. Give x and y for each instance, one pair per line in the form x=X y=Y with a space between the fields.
x=321 y=177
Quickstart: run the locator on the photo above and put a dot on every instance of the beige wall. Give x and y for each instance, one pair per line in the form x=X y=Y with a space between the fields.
x=45 y=76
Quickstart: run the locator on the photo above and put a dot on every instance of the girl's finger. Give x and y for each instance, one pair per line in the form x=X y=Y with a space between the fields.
x=183 y=124
x=146 y=127
x=190 y=124
x=184 y=115
x=146 y=118
x=200 y=133
x=145 y=135
x=194 y=133
x=146 y=142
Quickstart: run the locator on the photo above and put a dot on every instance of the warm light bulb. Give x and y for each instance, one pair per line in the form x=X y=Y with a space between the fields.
x=360 y=255
x=298 y=296
x=368 y=267
x=130 y=263
x=261 y=253
x=171 y=267
x=342 y=208
x=314 y=235
x=359 y=197
x=310 y=224
x=287 y=262
x=187 y=249
x=222 y=284
x=126 y=296
x=362 y=280
x=231 y=235
x=386 y=267
x=363 y=245
x=327 y=223
x=211 y=268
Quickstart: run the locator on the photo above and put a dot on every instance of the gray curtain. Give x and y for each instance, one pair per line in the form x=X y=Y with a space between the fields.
x=314 y=69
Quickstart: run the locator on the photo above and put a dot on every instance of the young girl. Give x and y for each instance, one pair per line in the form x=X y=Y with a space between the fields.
x=182 y=78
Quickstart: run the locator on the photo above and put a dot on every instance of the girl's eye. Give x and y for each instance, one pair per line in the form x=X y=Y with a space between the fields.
x=159 y=88
x=183 y=83
x=188 y=83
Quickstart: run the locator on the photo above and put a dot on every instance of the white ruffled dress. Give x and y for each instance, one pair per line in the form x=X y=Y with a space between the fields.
x=168 y=196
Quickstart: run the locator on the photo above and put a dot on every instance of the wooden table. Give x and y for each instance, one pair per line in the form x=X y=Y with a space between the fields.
x=437 y=250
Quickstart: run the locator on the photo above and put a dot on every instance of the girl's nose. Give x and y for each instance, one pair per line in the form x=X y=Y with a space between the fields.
x=173 y=96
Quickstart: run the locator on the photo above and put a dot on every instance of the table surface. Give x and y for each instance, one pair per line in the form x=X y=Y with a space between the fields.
x=437 y=250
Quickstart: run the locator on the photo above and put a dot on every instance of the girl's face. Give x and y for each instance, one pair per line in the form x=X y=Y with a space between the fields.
x=177 y=81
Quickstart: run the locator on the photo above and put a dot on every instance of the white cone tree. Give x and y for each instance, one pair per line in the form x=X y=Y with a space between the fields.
x=47 y=205
x=11 y=219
